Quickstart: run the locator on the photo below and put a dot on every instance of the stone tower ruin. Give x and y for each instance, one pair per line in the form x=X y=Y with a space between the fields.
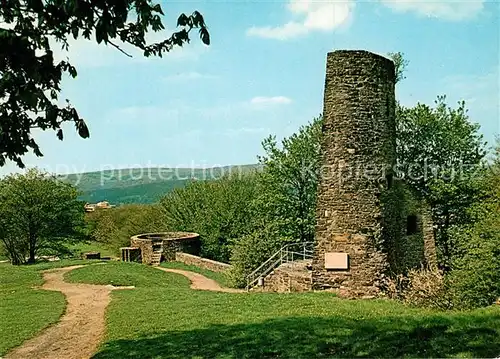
x=358 y=154
x=370 y=225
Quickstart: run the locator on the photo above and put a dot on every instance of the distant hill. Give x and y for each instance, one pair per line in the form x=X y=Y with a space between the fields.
x=142 y=185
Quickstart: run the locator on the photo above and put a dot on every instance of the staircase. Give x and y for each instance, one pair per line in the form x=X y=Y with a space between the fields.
x=157 y=253
x=289 y=253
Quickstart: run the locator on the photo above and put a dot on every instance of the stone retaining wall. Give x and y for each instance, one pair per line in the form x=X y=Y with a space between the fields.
x=145 y=247
x=189 y=245
x=289 y=277
x=171 y=242
x=209 y=264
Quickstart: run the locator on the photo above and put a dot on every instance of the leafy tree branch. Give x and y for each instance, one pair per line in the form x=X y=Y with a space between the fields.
x=30 y=77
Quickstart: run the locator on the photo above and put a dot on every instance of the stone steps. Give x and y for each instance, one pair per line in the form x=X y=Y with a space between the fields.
x=156 y=258
x=288 y=277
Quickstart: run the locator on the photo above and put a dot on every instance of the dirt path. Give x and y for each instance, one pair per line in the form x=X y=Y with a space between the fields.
x=201 y=282
x=80 y=329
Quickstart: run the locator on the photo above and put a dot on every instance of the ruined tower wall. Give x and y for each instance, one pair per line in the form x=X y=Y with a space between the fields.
x=358 y=149
x=408 y=230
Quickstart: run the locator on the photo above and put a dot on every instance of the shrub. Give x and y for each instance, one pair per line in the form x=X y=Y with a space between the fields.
x=475 y=278
x=427 y=288
x=421 y=288
x=250 y=252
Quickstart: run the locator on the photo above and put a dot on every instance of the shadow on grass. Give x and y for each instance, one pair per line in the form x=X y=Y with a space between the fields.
x=436 y=336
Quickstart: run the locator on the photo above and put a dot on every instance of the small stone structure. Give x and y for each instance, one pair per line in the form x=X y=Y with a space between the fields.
x=289 y=277
x=130 y=254
x=365 y=228
x=155 y=247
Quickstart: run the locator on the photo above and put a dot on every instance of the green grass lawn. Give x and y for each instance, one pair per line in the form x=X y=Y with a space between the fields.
x=127 y=274
x=219 y=277
x=25 y=311
x=163 y=318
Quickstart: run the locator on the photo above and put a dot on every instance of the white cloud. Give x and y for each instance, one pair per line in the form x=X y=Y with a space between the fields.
x=452 y=10
x=285 y=32
x=184 y=76
x=316 y=16
x=276 y=100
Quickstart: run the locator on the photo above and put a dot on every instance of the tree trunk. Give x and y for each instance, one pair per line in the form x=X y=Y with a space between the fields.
x=31 y=259
x=32 y=243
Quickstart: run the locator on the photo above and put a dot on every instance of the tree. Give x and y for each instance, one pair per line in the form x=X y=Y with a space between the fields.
x=114 y=226
x=288 y=183
x=30 y=79
x=400 y=64
x=475 y=278
x=440 y=153
x=38 y=214
x=284 y=208
x=219 y=210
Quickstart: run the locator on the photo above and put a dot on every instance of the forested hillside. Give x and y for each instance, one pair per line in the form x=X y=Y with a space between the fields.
x=142 y=185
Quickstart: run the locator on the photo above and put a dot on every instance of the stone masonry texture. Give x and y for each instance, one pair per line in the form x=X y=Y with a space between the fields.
x=289 y=277
x=200 y=262
x=169 y=242
x=358 y=154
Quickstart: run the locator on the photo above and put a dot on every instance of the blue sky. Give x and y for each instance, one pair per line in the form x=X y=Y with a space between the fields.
x=264 y=74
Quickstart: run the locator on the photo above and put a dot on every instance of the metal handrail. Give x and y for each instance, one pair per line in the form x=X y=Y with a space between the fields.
x=269 y=264
x=264 y=264
x=265 y=272
x=278 y=252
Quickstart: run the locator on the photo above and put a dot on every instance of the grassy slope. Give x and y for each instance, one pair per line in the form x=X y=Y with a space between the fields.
x=142 y=193
x=25 y=311
x=163 y=318
x=137 y=185
x=221 y=278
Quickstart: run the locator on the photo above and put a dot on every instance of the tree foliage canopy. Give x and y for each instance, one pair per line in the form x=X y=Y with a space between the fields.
x=113 y=227
x=288 y=183
x=31 y=78
x=219 y=210
x=284 y=207
x=38 y=214
x=440 y=154
x=476 y=270
x=400 y=64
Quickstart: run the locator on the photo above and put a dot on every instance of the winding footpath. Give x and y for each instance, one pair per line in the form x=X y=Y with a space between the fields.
x=199 y=281
x=82 y=327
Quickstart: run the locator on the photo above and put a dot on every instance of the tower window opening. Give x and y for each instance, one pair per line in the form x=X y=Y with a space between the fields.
x=411 y=225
